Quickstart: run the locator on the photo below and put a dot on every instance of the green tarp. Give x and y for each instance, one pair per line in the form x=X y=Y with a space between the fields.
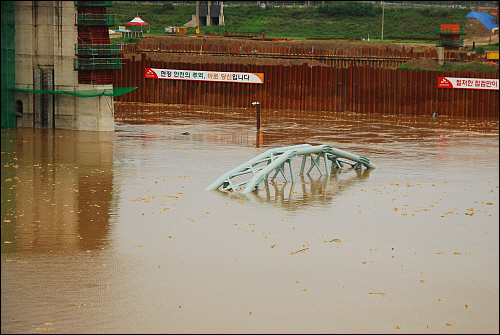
x=112 y=92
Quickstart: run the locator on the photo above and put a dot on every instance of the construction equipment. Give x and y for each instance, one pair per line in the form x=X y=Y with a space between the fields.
x=492 y=57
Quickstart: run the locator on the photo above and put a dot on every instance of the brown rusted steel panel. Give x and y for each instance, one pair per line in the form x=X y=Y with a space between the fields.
x=300 y=97
x=350 y=81
x=439 y=94
x=363 y=86
x=425 y=90
x=374 y=90
x=416 y=94
x=280 y=98
x=353 y=88
x=162 y=86
x=493 y=108
x=388 y=91
x=488 y=98
x=293 y=91
x=434 y=89
x=336 y=84
x=327 y=87
x=368 y=91
x=224 y=88
x=155 y=83
x=286 y=86
x=345 y=89
x=396 y=87
x=342 y=89
x=401 y=88
x=215 y=86
x=479 y=98
x=380 y=79
x=419 y=94
x=272 y=95
x=320 y=84
x=219 y=92
x=358 y=81
x=148 y=83
x=236 y=89
x=447 y=100
x=411 y=87
x=406 y=92
x=364 y=91
x=292 y=85
x=338 y=89
x=314 y=88
x=177 y=88
x=142 y=82
x=360 y=89
x=133 y=80
x=202 y=88
x=453 y=99
x=209 y=87
x=305 y=86
x=461 y=106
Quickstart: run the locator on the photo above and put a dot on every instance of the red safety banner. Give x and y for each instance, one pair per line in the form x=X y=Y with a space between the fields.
x=470 y=83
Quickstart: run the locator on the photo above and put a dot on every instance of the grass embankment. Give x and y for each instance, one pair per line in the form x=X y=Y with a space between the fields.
x=352 y=20
x=450 y=67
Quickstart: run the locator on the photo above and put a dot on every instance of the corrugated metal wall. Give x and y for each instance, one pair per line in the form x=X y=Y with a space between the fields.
x=239 y=48
x=360 y=89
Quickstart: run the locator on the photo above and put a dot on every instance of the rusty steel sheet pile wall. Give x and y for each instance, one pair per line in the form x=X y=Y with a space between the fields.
x=360 y=89
x=384 y=53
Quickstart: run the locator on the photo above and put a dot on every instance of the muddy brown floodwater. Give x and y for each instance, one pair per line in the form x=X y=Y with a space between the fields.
x=114 y=232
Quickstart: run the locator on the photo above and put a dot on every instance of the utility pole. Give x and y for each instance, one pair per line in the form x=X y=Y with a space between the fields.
x=382 y=21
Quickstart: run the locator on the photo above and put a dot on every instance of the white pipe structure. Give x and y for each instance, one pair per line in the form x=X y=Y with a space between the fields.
x=248 y=167
x=276 y=159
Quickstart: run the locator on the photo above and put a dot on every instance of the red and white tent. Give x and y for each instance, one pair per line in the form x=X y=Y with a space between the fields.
x=137 y=21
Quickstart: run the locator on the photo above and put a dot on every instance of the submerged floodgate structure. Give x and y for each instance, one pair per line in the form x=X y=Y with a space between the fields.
x=277 y=158
x=57 y=65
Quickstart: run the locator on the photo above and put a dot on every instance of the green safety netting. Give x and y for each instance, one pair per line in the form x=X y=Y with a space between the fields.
x=110 y=92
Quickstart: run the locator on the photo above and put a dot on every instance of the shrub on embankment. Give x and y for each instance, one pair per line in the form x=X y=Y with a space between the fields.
x=333 y=19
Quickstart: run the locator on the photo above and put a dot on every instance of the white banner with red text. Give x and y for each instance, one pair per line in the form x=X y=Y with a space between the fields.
x=225 y=77
x=470 y=83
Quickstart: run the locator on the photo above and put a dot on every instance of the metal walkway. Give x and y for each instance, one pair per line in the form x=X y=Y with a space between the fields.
x=277 y=158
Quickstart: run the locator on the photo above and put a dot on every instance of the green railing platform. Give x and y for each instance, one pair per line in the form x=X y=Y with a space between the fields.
x=93 y=3
x=450 y=43
x=97 y=49
x=97 y=64
x=94 y=19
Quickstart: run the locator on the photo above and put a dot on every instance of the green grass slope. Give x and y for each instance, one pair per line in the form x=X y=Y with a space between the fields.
x=349 y=19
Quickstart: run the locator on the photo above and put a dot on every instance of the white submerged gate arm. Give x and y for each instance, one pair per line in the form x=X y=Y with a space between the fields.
x=277 y=158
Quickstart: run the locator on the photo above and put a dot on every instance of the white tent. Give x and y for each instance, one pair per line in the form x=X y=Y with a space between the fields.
x=138 y=22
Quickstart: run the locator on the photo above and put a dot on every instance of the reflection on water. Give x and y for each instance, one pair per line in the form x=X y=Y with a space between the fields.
x=59 y=191
x=238 y=125
x=114 y=233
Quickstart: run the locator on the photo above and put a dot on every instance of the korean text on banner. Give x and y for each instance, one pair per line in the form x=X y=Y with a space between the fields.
x=227 y=77
x=470 y=83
